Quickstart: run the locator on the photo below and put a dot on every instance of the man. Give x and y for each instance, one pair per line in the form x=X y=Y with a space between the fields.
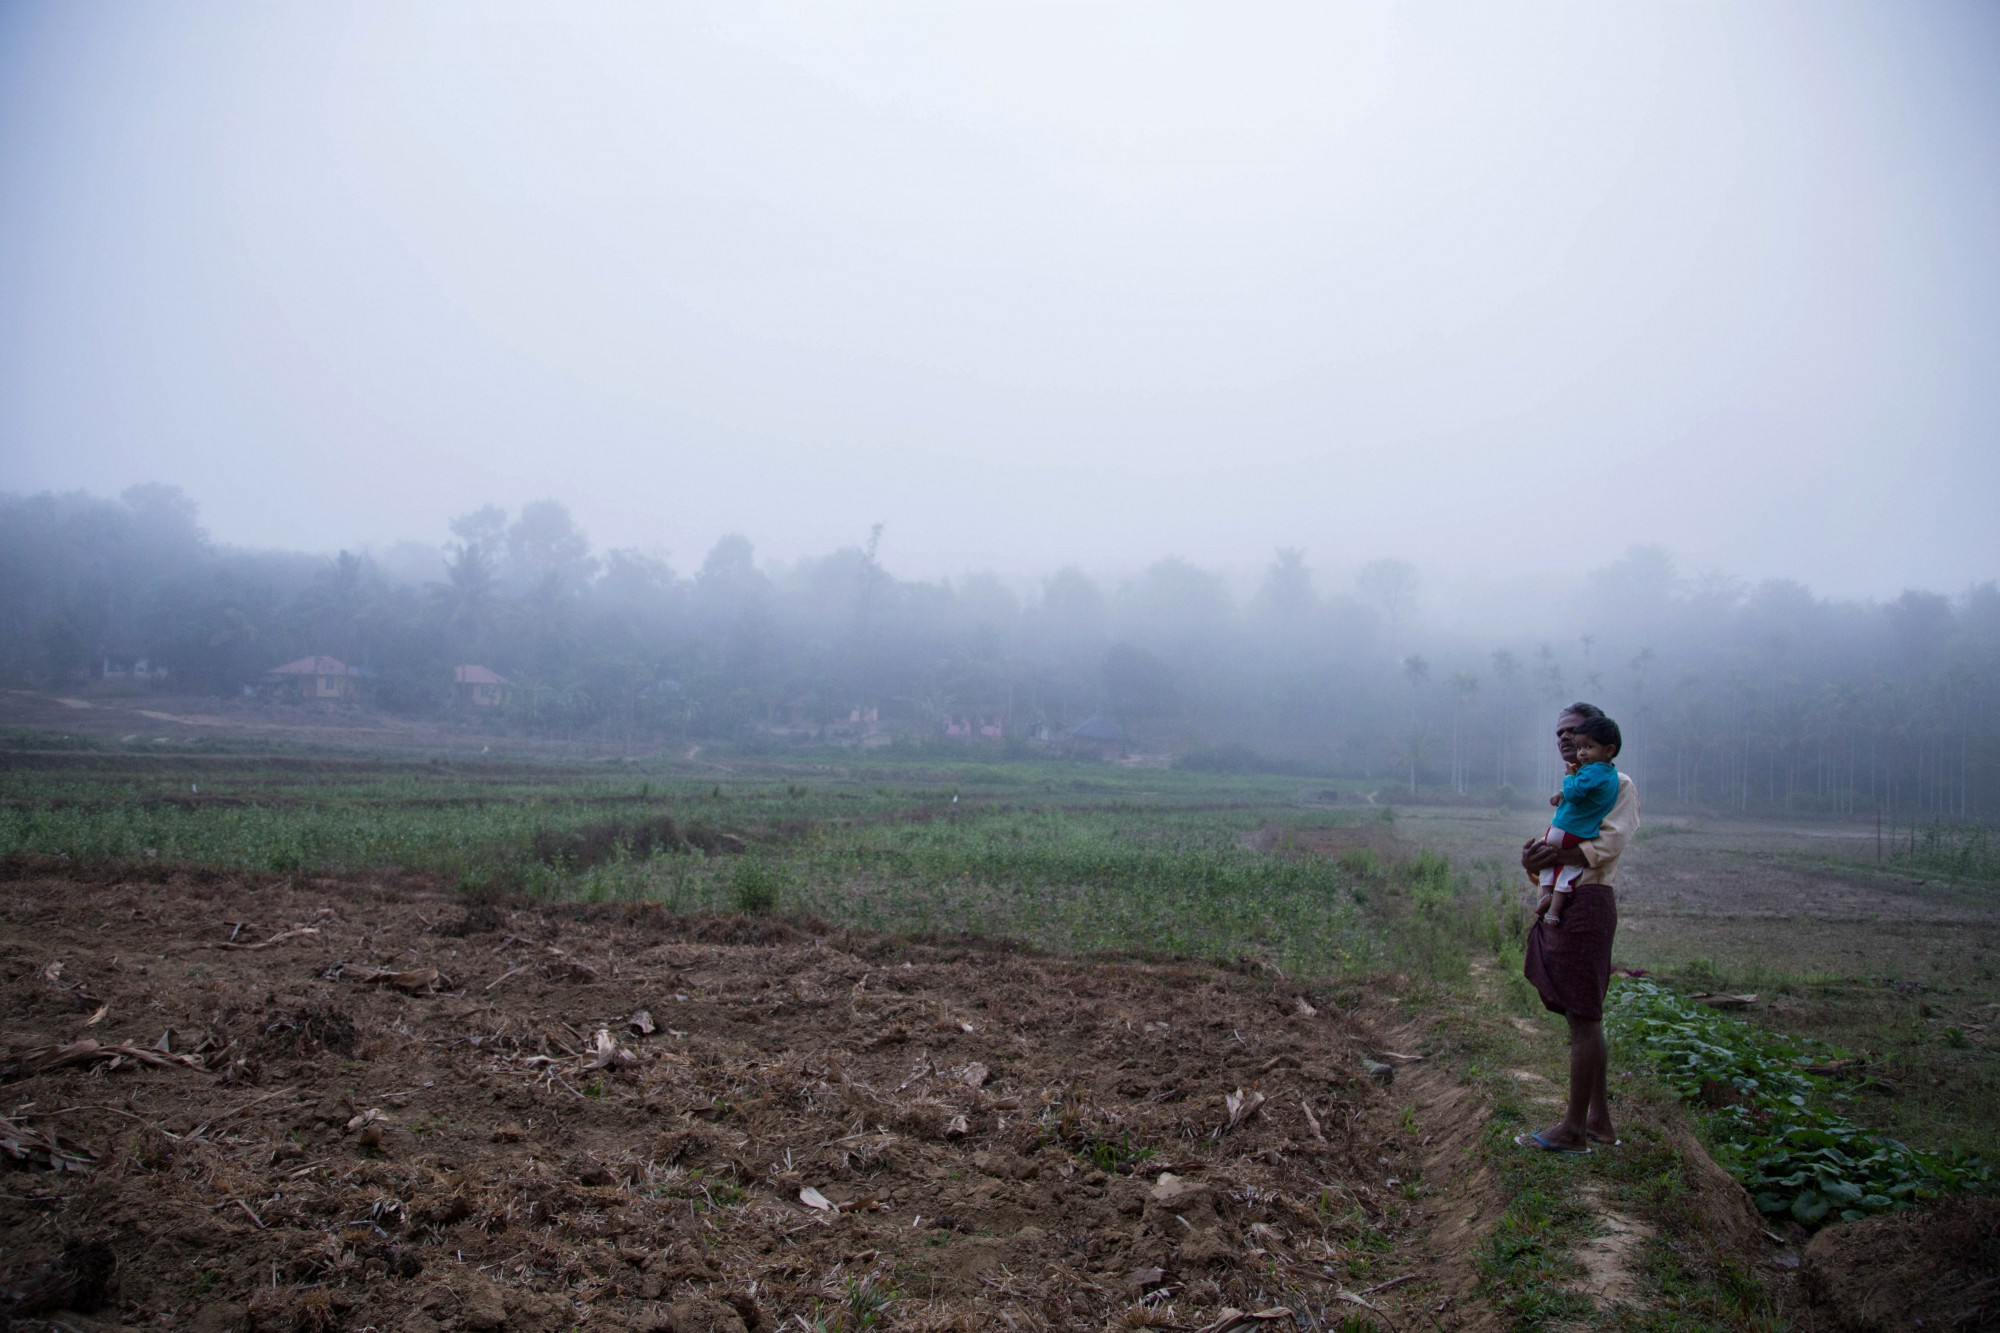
x=1570 y=964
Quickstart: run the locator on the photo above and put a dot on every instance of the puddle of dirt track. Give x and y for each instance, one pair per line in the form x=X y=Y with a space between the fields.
x=936 y=1096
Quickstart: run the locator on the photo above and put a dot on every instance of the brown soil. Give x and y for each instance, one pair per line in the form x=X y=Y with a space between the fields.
x=1612 y=1258
x=1938 y=1268
x=1340 y=840
x=1470 y=1200
x=1728 y=1225
x=400 y=1110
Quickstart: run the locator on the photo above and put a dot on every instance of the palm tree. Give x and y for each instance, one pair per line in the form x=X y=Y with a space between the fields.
x=1416 y=671
x=466 y=597
x=1554 y=688
x=1464 y=689
x=1642 y=662
x=1507 y=670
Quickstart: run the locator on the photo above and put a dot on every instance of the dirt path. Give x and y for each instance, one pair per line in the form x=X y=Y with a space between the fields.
x=1612 y=1256
x=322 y=1105
x=179 y=721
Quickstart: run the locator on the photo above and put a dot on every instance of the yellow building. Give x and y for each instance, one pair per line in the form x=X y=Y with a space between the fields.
x=479 y=687
x=315 y=678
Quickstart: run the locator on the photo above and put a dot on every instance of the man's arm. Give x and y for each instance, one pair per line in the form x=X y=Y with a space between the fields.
x=1537 y=856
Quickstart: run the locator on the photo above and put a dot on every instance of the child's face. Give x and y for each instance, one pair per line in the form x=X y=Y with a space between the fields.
x=1589 y=751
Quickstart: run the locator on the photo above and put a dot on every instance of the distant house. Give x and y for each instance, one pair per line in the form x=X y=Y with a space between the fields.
x=479 y=687
x=121 y=675
x=314 y=678
x=970 y=727
x=813 y=715
x=119 y=668
x=1098 y=735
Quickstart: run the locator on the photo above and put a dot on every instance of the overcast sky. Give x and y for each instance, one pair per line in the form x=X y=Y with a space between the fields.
x=1501 y=288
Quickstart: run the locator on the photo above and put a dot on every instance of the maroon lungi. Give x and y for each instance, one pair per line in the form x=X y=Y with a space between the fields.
x=1570 y=964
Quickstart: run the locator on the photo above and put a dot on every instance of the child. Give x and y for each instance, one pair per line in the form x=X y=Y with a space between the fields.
x=1587 y=797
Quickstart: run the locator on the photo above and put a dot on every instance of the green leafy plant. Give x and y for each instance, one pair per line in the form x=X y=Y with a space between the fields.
x=863 y=1305
x=1115 y=1156
x=1764 y=1125
x=868 y=1301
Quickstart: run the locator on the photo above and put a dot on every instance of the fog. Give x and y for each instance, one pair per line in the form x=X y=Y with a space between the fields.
x=1733 y=696
x=1322 y=389
x=1499 y=291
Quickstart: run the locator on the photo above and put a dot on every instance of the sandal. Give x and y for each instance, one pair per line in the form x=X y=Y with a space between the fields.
x=1535 y=1140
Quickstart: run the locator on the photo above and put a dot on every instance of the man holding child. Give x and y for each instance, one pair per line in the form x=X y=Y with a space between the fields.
x=1569 y=946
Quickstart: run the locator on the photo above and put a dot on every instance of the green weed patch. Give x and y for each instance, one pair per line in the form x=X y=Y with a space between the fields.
x=1953 y=850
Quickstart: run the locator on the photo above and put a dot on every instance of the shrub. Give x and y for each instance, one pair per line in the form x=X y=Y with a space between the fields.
x=754 y=886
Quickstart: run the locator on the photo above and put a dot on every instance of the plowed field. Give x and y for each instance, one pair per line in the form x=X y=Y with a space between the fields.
x=244 y=1102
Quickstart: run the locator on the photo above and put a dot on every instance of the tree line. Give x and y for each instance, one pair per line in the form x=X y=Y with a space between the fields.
x=1732 y=696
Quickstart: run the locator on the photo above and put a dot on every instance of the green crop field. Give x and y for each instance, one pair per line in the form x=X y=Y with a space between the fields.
x=1080 y=859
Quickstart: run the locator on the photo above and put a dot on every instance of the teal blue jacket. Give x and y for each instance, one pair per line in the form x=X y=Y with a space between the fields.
x=1588 y=795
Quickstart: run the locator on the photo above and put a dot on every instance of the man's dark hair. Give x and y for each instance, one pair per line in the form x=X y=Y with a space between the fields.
x=1583 y=711
x=1602 y=730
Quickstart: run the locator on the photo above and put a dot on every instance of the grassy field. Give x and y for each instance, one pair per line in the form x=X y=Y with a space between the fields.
x=1078 y=859
x=351 y=815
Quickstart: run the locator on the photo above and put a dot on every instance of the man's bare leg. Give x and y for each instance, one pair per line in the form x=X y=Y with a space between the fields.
x=1597 y=1116
x=1588 y=1115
